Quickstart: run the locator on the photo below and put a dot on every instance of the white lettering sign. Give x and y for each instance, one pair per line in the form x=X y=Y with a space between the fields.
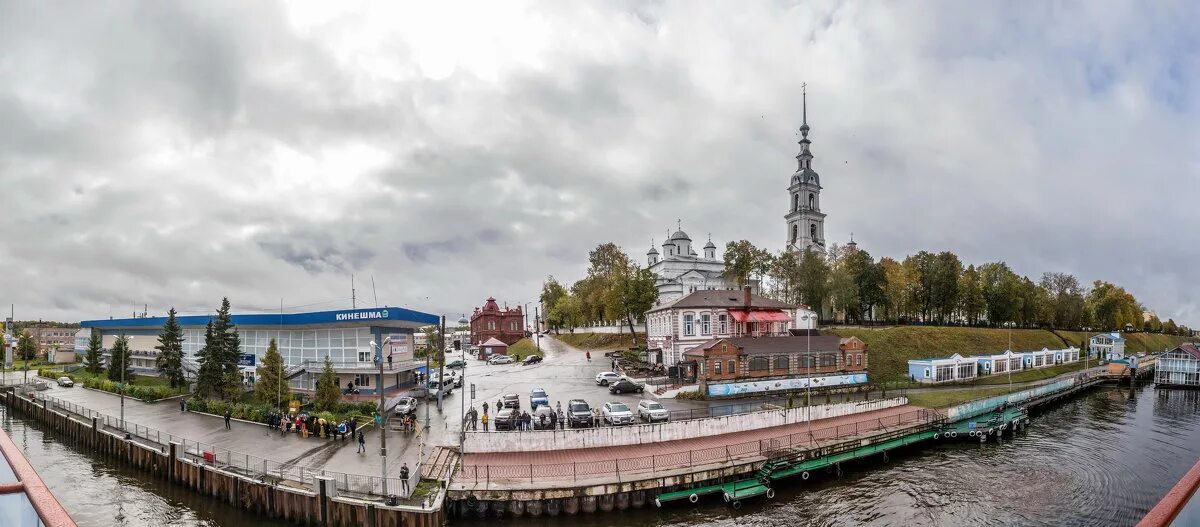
x=363 y=315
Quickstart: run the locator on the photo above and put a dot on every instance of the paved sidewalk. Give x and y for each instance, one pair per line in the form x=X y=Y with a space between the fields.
x=670 y=451
x=252 y=438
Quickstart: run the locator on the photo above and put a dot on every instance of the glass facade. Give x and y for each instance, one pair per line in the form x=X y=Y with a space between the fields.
x=343 y=346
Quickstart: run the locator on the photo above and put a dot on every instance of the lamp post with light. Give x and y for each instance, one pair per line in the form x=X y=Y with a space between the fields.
x=382 y=429
x=808 y=343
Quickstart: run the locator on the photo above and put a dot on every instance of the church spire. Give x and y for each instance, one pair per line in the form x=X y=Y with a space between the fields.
x=804 y=158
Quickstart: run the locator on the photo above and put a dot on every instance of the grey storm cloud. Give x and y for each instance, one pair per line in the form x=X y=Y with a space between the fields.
x=171 y=153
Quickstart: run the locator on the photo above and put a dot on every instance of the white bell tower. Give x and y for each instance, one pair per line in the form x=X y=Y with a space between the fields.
x=805 y=221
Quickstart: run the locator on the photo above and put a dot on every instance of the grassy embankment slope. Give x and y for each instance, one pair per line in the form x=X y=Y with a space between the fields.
x=599 y=341
x=946 y=398
x=524 y=348
x=1134 y=342
x=890 y=349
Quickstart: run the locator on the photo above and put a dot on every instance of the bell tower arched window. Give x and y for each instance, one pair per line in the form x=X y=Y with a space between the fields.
x=812 y=232
x=795 y=201
x=812 y=201
x=795 y=232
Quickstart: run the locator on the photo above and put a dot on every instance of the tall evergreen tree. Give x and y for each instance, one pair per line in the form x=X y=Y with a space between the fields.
x=208 y=378
x=328 y=395
x=118 y=361
x=170 y=351
x=95 y=353
x=26 y=348
x=270 y=387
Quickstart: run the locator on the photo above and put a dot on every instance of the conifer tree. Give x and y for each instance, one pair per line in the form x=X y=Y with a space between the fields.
x=118 y=361
x=170 y=351
x=95 y=353
x=208 y=378
x=270 y=387
x=327 y=388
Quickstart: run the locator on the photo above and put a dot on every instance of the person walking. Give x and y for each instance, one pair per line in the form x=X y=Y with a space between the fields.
x=404 y=478
x=227 y=416
x=182 y=405
x=485 y=407
x=362 y=443
x=589 y=356
x=562 y=423
x=485 y=421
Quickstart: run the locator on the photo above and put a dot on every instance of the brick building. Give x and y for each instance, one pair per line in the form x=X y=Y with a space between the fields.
x=748 y=365
x=491 y=321
x=48 y=339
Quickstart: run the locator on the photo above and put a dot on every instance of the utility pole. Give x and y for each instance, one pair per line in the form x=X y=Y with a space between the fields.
x=442 y=368
x=382 y=429
x=353 y=300
x=537 y=328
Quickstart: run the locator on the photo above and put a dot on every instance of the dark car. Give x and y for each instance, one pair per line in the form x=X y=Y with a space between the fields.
x=532 y=359
x=504 y=419
x=626 y=386
x=511 y=400
x=456 y=364
x=579 y=413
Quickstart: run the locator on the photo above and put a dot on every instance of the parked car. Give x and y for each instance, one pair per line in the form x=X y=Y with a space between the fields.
x=538 y=397
x=500 y=358
x=532 y=359
x=579 y=413
x=435 y=388
x=607 y=377
x=651 y=411
x=617 y=414
x=626 y=386
x=511 y=400
x=504 y=419
x=65 y=382
x=405 y=406
x=545 y=412
x=456 y=364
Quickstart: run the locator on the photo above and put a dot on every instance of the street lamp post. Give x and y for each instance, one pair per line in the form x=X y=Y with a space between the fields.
x=808 y=344
x=462 y=436
x=382 y=431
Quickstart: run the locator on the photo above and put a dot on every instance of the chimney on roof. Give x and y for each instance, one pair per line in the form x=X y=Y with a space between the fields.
x=746 y=296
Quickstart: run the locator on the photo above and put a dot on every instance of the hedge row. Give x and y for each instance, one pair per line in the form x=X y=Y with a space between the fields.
x=258 y=412
x=144 y=393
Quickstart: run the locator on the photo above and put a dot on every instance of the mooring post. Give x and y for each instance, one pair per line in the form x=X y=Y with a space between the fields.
x=172 y=455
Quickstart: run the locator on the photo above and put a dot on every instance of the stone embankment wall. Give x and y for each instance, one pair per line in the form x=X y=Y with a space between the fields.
x=607 y=436
x=296 y=505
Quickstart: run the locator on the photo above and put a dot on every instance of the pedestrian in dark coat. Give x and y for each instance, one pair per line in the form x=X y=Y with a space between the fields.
x=227 y=416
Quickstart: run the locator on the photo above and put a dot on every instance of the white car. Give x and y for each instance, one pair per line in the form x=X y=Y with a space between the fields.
x=435 y=389
x=607 y=377
x=65 y=382
x=500 y=359
x=651 y=411
x=617 y=414
x=406 y=406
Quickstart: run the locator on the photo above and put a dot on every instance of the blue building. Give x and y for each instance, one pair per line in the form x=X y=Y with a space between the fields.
x=1107 y=346
x=353 y=340
x=957 y=368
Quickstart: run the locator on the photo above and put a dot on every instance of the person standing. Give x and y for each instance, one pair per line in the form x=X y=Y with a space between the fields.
x=485 y=420
x=182 y=405
x=485 y=407
x=362 y=443
x=404 y=478
x=227 y=416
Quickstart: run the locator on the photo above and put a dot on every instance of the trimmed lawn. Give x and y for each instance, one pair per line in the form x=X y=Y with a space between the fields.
x=136 y=380
x=890 y=349
x=946 y=398
x=524 y=347
x=598 y=341
x=1034 y=375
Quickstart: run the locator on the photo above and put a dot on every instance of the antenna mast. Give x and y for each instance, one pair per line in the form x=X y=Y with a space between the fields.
x=353 y=300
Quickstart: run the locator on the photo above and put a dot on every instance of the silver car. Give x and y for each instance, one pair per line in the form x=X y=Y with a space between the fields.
x=652 y=411
x=405 y=406
x=617 y=414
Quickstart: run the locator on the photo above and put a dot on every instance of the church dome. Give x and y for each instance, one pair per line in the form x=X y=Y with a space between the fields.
x=680 y=235
x=710 y=245
x=652 y=251
x=490 y=305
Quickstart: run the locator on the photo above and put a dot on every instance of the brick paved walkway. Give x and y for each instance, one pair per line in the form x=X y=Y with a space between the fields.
x=591 y=463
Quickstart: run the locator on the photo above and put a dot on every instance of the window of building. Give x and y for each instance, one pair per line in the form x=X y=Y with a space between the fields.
x=828 y=360
x=732 y=368
x=724 y=348
x=759 y=364
x=687 y=325
x=716 y=367
x=926 y=373
x=858 y=359
x=705 y=328
x=363 y=380
x=491 y=324
x=966 y=370
x=365 y=356
x=723 y=324
x=781 y=362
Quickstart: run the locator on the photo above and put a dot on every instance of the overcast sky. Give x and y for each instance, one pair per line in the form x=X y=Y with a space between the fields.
x=171 y=153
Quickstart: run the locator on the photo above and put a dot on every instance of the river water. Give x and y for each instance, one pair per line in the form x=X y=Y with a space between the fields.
x=1103 y=458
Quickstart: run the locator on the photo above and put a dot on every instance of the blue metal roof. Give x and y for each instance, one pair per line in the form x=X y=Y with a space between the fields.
x=347 y=316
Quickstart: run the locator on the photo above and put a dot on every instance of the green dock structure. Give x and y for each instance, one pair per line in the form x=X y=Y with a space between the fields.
x=803 y=462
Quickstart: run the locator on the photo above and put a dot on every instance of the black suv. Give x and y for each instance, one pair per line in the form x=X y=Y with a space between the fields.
x=579 y=414
x=511 y=400
x=504 y=419
x=625 y=386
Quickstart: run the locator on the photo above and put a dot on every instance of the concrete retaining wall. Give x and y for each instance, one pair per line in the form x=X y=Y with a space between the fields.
x=542 y=440
x=981 y=406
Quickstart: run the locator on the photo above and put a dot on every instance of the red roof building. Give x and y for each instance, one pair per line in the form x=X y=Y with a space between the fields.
x=490 y=321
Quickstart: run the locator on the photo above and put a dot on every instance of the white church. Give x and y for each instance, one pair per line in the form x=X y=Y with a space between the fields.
x=681 y=271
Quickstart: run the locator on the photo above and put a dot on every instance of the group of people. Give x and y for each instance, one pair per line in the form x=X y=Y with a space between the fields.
x=310 y=425
x=521 y=421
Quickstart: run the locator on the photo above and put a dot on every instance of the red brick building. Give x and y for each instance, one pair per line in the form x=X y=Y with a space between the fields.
x=782 y=363
x=505 y=325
